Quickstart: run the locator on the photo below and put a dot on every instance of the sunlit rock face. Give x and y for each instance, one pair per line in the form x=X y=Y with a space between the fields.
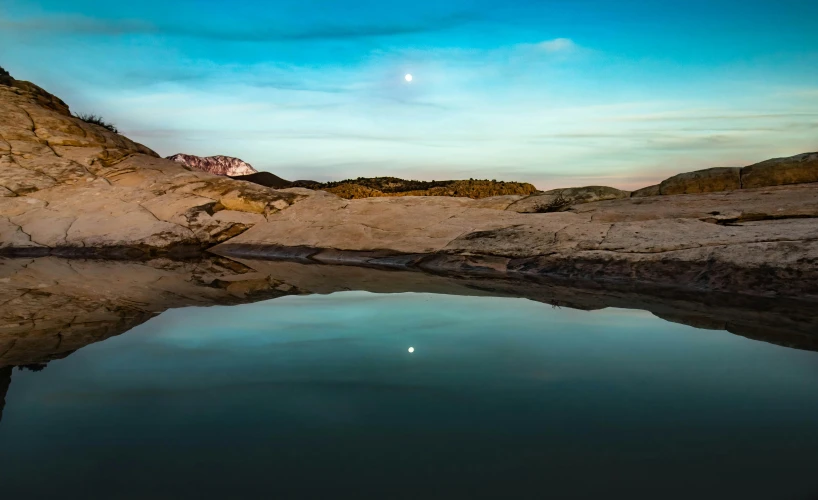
x=67 y=185
x=219 y=165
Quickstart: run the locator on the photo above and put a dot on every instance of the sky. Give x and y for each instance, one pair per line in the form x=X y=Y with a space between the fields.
x=554 y=92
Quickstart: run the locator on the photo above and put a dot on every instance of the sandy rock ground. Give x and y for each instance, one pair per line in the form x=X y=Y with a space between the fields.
x=754 y=241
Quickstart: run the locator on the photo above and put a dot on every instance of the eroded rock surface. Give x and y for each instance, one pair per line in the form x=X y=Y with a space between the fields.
x=797 y=169
x=69 y=185
x=702 y=181
x=558 y=200
x=750 y=241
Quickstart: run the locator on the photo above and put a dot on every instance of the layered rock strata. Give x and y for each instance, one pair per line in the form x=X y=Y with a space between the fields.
x=68 y=186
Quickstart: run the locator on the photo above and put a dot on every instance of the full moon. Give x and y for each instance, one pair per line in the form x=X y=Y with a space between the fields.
x=408 y=77
x=411 y=349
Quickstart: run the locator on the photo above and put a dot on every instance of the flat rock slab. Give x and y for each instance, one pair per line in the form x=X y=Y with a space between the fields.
x=715 y=241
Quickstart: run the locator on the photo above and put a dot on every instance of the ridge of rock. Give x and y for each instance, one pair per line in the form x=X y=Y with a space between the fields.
x=264 y=179
x=43 y=98
x=76 y=188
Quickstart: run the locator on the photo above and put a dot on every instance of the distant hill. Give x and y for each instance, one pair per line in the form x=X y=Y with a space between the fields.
x=219 y=165
x=264 y=179
x=368 y=187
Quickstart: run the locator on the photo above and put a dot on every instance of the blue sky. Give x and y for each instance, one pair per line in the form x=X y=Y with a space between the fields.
x=558 y=93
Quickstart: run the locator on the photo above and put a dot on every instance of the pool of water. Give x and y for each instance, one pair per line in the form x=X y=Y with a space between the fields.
x=320 y=397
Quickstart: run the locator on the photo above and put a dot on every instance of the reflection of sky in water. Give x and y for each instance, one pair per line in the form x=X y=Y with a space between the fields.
x=307 y=394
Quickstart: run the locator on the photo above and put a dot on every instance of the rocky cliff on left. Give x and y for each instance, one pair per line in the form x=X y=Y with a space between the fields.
x=71 y=187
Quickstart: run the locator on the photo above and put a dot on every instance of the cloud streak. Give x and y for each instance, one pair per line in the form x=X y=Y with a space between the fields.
x=338 y=32
x=557 y=45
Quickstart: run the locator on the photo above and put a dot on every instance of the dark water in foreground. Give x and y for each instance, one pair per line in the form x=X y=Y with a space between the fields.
x=318 y=397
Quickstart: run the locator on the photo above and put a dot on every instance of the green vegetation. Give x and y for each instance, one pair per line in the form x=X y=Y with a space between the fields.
x=368 y=187
x=97 y=120
x=386 y=185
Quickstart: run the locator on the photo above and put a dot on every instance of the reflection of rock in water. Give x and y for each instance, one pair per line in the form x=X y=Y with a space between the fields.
x=50 y=307
x=5 y=381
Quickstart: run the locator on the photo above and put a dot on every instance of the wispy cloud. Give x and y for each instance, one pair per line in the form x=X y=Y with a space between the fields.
x=707 y=116
x=558 y=45
x=529 y=106
x=77 y=25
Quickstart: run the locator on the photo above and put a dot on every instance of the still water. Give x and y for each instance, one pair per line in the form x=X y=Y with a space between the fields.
x=319 y=397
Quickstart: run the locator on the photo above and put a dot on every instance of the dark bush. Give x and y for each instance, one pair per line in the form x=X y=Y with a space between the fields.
x=5 y=77
x=97 y=120
x=557 y=205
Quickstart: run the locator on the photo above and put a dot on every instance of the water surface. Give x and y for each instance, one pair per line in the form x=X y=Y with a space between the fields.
x=318 y=397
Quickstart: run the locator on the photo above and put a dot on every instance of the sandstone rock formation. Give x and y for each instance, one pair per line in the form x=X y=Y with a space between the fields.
x=559 y=200
x=702 y=181
x=798 y=169
x=70 y=186
x=751 y=241
x=219 y=165
x=40 y=96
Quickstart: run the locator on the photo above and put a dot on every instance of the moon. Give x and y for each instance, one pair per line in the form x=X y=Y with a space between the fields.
x=408 y=77
x=411 y=349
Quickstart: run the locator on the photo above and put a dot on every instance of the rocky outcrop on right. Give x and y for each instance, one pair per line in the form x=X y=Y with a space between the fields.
x=702 y=181
x=798 y=169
